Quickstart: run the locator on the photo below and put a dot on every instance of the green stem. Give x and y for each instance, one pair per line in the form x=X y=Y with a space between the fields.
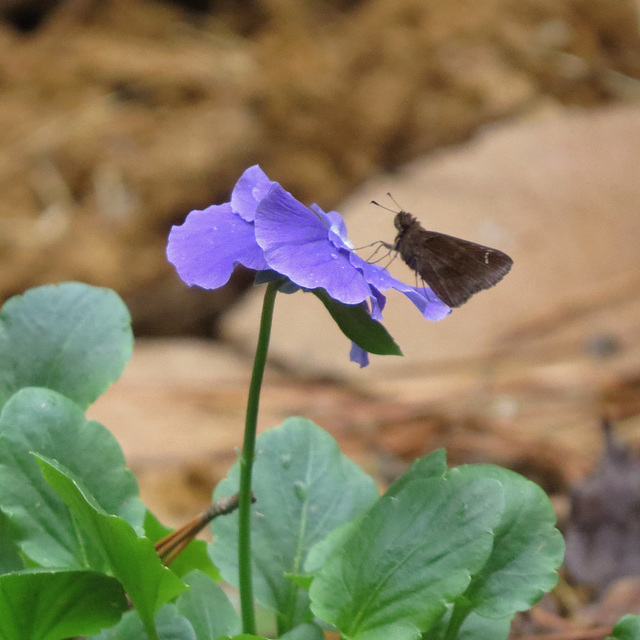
x=461 y=609
x=246 y=463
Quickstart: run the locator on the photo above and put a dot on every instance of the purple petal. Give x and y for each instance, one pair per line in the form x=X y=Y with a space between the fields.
x=210 y=243
x=338 y=226
x=378 y=300
x=359 y=355
x=296 y=243
x=429 y=305
x=252 y=186
x=376 y=275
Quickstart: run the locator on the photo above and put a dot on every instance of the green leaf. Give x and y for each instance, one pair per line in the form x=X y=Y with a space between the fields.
x=326 y=547
x=527 y=549
x=357 y=324
x=474 y=627
x=244 y=636
x=304 y=488
x=432 y=466
x=193 y=557
x=412 y=553
x=170 y=625
x=45 y=422
x=72 y=338
x=306 y=631
x=132 y=560
x=10 y=559
x=207 y=608
x=627 y=628
x=50 y=604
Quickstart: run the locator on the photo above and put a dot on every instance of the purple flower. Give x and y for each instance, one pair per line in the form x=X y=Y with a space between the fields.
x=213 y=242
x=265 y=228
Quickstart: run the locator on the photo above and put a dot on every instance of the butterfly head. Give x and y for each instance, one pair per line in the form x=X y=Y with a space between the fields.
x=403 y=221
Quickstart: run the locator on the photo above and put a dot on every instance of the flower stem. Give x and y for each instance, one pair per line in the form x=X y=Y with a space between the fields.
x=461 y=609
x=246 y=463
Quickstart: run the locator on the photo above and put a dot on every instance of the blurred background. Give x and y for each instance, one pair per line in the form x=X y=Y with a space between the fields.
x=514 y=123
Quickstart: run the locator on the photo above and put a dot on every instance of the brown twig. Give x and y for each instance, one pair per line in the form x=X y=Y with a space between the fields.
x=171 y=545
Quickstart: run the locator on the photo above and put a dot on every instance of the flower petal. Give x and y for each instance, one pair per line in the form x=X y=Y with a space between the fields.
x=252 y=186
x=210 y=243
x=296 y=243
x=338 y=226
x=359 y=355
x=378 y=300
x=375 y=275
x=429 y=305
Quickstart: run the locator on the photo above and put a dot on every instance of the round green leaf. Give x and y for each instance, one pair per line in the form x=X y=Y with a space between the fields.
x=244 y=636
x=169 y=625
x=72 y=338
x=329 y=545
x=474 y=627
x=412 y=553
x=207 y=608
x=527 y=549
x=432 y=466
x=10 y=559
x=304 y=488
x=627 y=628
x=51 y=605
x=132 y=560
x=306 y=631
x=45 y=422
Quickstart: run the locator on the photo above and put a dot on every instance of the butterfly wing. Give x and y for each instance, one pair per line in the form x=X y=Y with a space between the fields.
x=454 y=268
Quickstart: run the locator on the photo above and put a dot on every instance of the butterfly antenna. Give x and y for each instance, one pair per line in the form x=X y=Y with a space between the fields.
x=382 y=206
x=394 y=201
